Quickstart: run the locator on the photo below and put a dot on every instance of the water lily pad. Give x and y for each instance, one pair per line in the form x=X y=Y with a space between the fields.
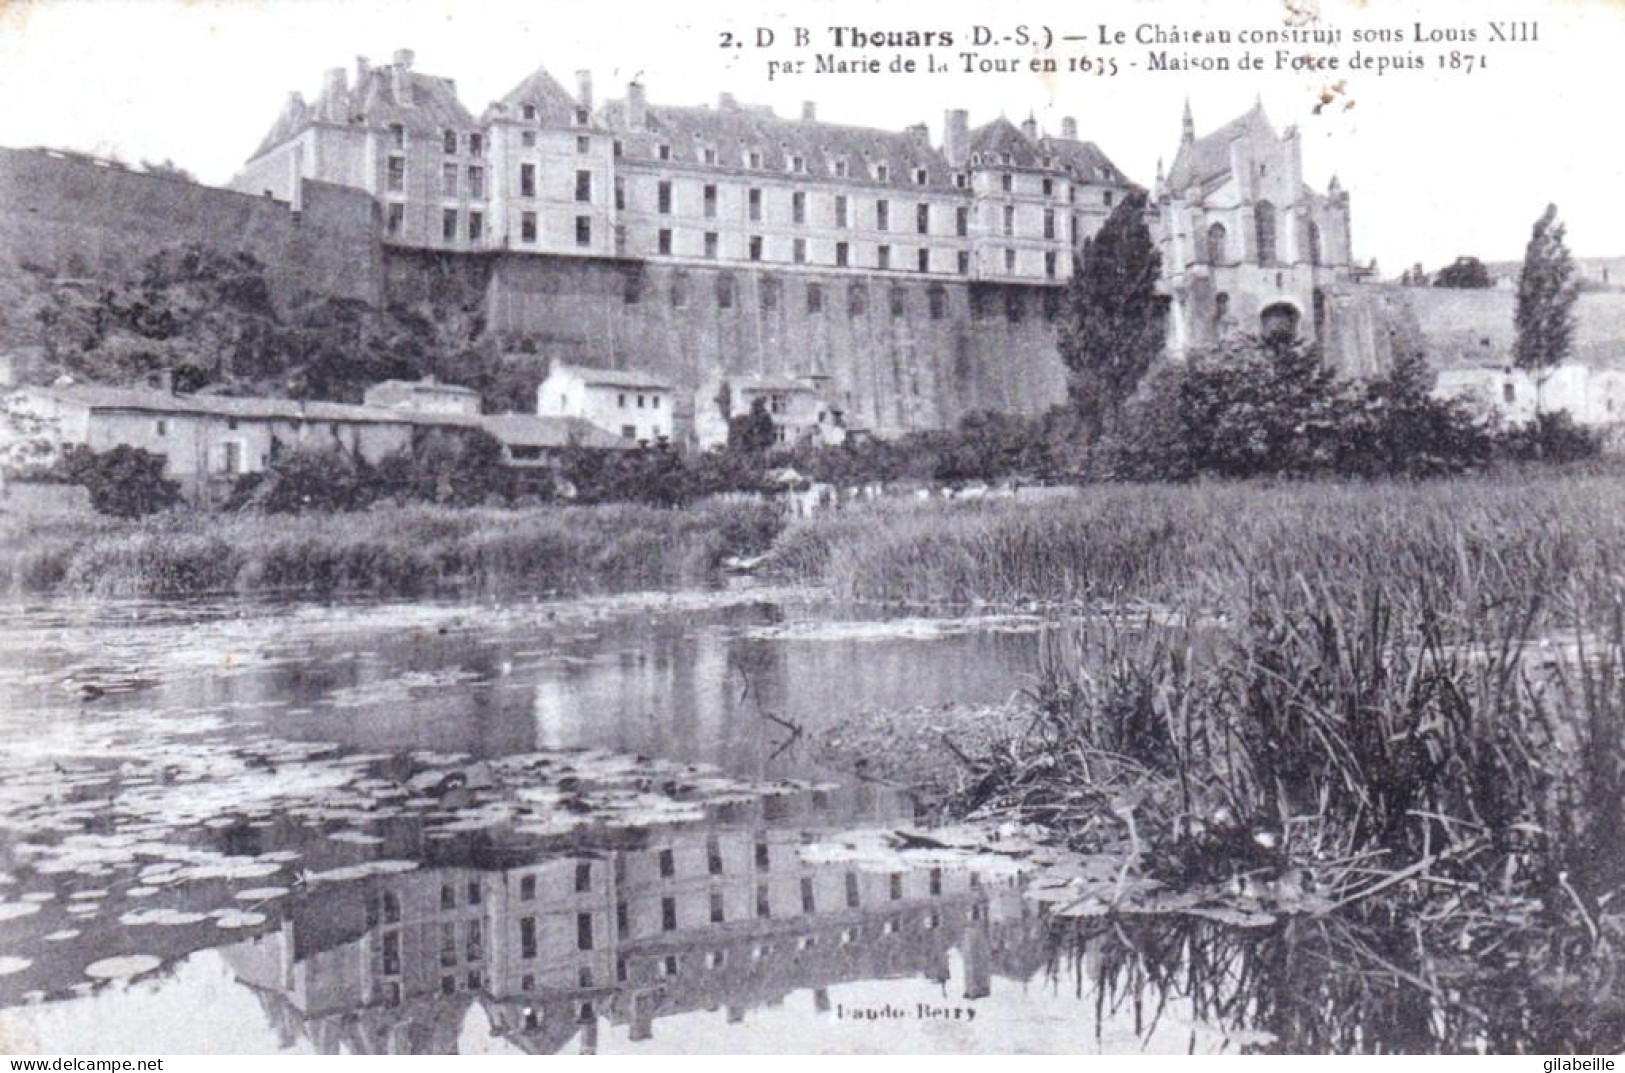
x=260 y=894
x=122 y=967
x=10 y=964
x=13 y=910
x=62 y=936
x=236 y=918
x=173 y=918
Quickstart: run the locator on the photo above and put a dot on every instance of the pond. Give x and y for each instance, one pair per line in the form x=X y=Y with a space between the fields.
x=589 y=825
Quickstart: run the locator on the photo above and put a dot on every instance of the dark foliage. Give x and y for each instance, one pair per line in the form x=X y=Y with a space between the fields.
x=753 y=431
x=1549 y=437
x=1467 y=273
x=125 y=482
x=1546 y=293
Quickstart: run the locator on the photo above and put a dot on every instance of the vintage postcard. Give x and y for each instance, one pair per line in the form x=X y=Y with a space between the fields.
x=838 y=527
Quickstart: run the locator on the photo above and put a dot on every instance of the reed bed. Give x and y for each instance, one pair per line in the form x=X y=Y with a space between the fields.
x=389 y=551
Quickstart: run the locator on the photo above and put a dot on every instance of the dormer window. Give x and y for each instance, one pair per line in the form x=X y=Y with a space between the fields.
x=397 y=135
x=1046 y=162
x=753 y=159
x=961 y=180
x=528 y=111
x=709 y=154
x=582 y=117
x=798 y=164
x=882 y=173
x=663 y=151
x=921 y=176
x=840 y=168
x=448 y=142
x=976 y=158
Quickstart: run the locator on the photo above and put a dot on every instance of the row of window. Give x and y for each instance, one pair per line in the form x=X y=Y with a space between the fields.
x=1218 y=239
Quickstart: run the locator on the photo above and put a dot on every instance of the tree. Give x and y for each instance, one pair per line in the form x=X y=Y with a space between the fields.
x=126 y=482
x=1114 y=323
x=1546 y=294
x=753 y=431
x=1467 y=273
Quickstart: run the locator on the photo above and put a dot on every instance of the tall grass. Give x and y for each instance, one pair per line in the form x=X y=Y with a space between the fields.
x=393 y=551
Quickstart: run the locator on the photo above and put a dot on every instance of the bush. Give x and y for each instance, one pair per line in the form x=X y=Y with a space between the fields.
x=307 y=478
x=1550 y=437
x=125 y=482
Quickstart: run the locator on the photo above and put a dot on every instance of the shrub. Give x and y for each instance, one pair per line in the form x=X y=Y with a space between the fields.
x=125 y=482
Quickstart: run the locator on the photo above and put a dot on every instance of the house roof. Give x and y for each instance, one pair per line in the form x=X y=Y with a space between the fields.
x=1084 y=160
x=151 y=400
x=632 y=378
x=428 y=105
x=412 y=387
x=1002 y=138
x=771 y=383
x=531 y=430
x=1207 y=158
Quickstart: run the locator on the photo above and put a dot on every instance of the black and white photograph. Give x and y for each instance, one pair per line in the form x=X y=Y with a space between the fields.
x=849 y=527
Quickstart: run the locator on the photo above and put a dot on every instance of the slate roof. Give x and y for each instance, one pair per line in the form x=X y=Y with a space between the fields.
x=555 y=105
x=1085 y=160
x=1002 y=138
x=429 y=106
x=1208 y=157
x=735 y=130
x=399 y=388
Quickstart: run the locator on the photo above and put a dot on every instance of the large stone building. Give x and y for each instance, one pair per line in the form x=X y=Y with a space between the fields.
x=1246 y=245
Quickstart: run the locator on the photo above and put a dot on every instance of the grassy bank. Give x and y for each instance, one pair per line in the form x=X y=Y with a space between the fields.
x=395 y=551
x=1473 y=544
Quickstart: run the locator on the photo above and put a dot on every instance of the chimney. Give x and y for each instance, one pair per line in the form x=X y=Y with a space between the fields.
x=363 y=68
x=334 y=93
x=584 y=89
x=637 y=105
x=956 y=135
x=400 y=80
x=920 y=133
x=1069 y=128
x=809 y=111
x=726 y=100
x=1029 y=127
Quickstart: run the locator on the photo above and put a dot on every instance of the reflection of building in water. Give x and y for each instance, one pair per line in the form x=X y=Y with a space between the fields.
x=691 y=918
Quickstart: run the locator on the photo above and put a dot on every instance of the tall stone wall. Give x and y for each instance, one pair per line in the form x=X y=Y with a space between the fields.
x=900 y=354
x=78 y=218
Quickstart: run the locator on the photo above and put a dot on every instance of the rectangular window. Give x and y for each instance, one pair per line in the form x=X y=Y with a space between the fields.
x=616 y=148
x=448 y=143
x=663 y=198
x=582 y=117
x=1106 y=198
x=808 y=902
x=1010 y=262
x=815 y=304
x=668 y=914
x=583 y=186
x=762 y=858
x=882 y=215
x=476 y=144
x=840 y=210
x=709 y=155
x=936 y=882
x=396 y=218
x=527 y=139
x=476 y=226
x=448 y=180
x=962 y=221
x=718 y=915
x=713 y=856
x=725 y=291
x=162 y=427
x=620 y=195
x=1049 y=187
x=629 y=432
x=798 y=164
x=899 y=302
x=896 y=886
x=799 y=251
x=798 y=207
x=753 y=159
x=583 y=145
x=663 y=151
x=448 y=224
x=397 y=135
x=392 y=953
x=921 y=177
x=475 y=940
x=852 y=895
x=448 y=944
x=841 y=251
x=764 y=908
x=476 y=181
x=1049 y=264
x=664 y=241
x=583 y=230
x=756 y=247
x=527 y=888
x=679 y=290
x=527 y=227
x=710 y=198
x=584 y=929
x=755 y=204
x=1009 y=219
x=527 y=180
x=1006 y=182
x=922 y=219
x=882 y=173
x=474 y=892
x=623 y=920
x=712 y=243
x=395 y=180
x=583 y=877
x=964 y=262
x=883 y=257
x=923 y=260
x=1049 y=223
x=668 y=864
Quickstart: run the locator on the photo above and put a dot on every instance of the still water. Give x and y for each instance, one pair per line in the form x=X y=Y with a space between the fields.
x=544 y=827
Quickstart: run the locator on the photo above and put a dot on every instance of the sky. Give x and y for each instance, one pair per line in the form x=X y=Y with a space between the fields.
x=1437 y=164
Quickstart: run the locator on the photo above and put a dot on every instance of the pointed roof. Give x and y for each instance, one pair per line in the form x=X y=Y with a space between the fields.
x=1208 y=157
x=428 y=103
x=1000 y=139
x=555 y=105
